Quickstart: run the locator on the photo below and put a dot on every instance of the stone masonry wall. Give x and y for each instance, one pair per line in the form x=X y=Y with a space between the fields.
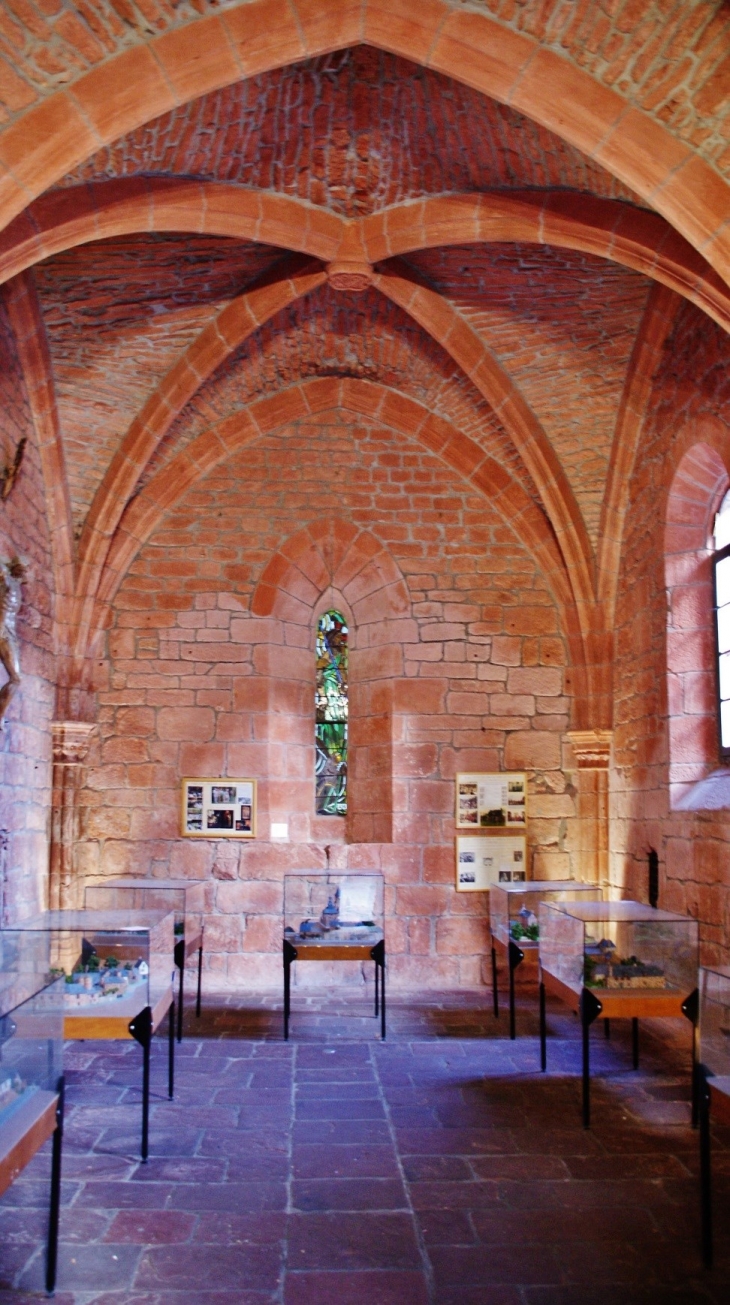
x=690 y=405
x=477 y=683
x=25 y=737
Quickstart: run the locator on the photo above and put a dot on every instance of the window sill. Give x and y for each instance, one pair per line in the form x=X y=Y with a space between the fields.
x=709 y=794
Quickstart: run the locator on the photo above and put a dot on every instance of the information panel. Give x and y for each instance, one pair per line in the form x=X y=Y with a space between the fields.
x=491 y=801
x=486 y=859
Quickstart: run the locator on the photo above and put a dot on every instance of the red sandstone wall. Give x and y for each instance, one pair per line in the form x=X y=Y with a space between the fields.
x=690 y=403
x=478 y=683
x=25 y=745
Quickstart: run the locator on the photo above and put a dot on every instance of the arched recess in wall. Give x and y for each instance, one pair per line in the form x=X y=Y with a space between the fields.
x=697 y=488
x=335 y=564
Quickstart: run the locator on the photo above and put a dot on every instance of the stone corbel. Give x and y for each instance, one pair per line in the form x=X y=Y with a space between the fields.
x=592 y=748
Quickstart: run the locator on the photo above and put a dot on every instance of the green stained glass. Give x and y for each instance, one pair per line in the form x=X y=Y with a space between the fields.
x=331 y=715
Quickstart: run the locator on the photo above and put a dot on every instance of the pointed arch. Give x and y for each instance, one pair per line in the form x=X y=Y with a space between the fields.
x=47 y=141
x=400 y=413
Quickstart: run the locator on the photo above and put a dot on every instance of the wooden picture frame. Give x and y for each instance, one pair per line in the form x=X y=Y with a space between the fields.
x=486 y=859
x=218 y=808
x=491 y=800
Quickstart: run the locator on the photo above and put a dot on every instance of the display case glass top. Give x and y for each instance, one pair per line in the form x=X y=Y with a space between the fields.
x=31 y=1034
x=333 y=910
x=514 y=908
x=714 y=1020
x=112 y=963
x=185 y=897
x=618 y=948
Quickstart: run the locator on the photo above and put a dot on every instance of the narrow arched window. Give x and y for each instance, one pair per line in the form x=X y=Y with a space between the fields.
x=721 y=567
x=331 y=715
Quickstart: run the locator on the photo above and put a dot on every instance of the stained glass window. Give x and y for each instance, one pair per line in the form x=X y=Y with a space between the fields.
x=331 y=715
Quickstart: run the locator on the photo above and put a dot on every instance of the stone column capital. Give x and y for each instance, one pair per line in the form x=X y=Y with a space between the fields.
x=592 y=748
x=71 y=740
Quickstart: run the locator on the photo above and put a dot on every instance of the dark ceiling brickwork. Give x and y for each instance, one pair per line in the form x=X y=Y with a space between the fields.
x=353 y=132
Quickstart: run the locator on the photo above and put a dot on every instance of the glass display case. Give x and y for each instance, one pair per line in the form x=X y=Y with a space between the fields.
x=619 y=951
x=616 y=960
x=113 y=963
x=713 y=1087
x=116 y=969
x=31 y=1065
x=334 y=917
x=515 y=926
x=184 y=897
x=514 y=908
x=714 y=1021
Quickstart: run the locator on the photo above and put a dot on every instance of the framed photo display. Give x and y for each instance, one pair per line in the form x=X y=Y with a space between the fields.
x=219 y=808
x=486 y=859
x=491 y=801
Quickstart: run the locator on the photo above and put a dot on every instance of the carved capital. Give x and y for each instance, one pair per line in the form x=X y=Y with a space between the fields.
x=71 y=740
x=592 y=748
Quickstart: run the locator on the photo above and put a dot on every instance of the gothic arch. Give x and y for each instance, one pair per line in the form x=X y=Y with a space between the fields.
x=132 y=87
x=335 y=560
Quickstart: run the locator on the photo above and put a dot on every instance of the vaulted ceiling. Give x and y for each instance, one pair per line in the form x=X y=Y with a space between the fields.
x=353 y=214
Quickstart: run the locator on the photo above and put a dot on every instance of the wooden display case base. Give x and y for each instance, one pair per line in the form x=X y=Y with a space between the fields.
x=336 y=952
x=141 y=1027
x=33 y=1123
x=592 y=1004
x=187 y=946
x=515 y=955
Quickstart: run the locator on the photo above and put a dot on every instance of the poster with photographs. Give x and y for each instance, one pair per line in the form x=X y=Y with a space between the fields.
x=486 y=859
x=491 y=801
x=219 y=808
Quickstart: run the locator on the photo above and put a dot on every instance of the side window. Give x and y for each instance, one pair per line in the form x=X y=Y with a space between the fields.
x=721 y=568
x=330 y=730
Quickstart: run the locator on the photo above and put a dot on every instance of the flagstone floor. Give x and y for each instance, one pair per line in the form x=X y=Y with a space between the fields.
x=437 y=1168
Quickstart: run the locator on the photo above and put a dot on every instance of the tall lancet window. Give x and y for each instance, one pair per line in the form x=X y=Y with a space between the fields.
x=331 y=715
x=721 y=566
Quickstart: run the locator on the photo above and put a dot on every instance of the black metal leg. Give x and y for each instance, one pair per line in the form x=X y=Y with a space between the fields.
x=289 y=955
x=543 y=1029
x=515 y=957
x=377 y=954
x=691 y=1011
x=377 y=993
x=200 y=981
x=55 y=1210
x=590 y=1009
x=635 y=1043
x=607 y=1029
x=145 y=1101
x=495 y=990
x=703 y=1097
x=586 y=1075
x=171 y=1050
x=179 y=955
x=180 y=1002
x=141 y=1030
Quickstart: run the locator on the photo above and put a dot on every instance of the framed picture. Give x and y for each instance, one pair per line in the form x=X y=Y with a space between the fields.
x=486 y=859
x=491 y=801
x=218 y=808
